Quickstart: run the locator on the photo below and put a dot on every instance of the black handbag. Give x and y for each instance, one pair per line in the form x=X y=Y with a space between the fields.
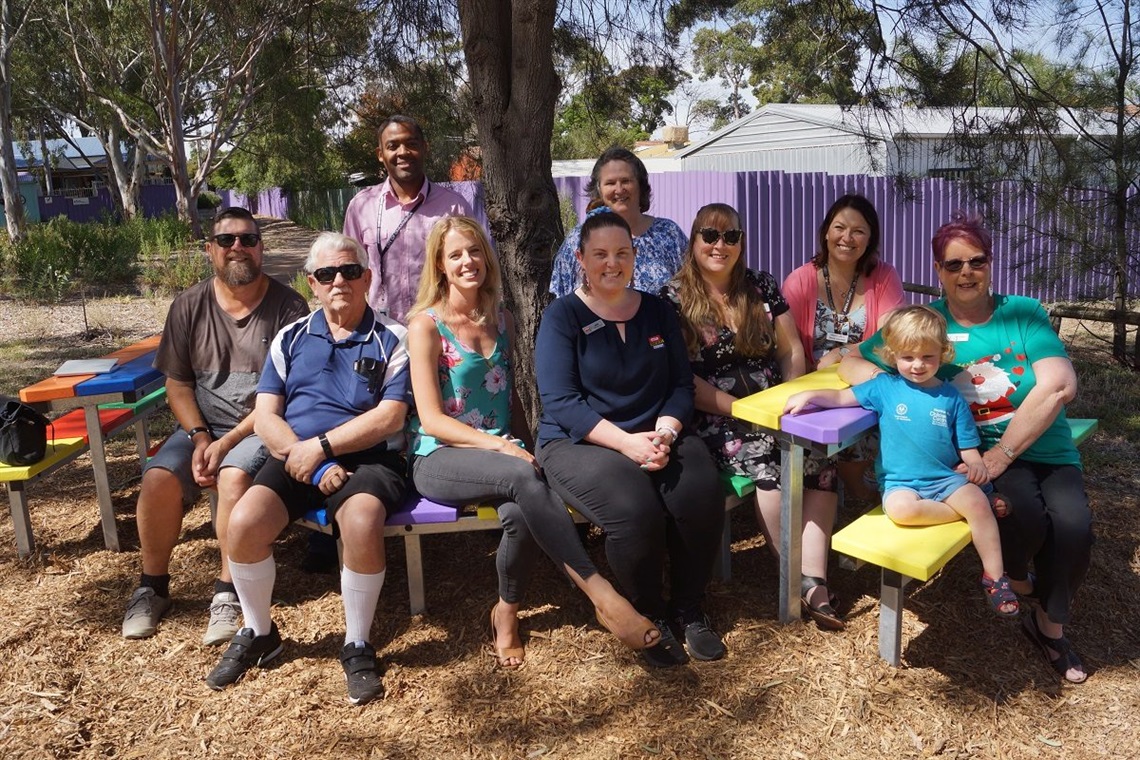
x=23 y=433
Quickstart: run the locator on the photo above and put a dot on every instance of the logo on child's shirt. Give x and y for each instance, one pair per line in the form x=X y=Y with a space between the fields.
x=656 y=341
x=900 y=413
x=938 y=418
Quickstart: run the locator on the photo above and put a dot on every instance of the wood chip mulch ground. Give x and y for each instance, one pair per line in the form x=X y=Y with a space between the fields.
x=970 y=685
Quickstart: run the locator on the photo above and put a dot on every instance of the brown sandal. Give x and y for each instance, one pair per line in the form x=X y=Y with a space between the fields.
x=824 y=614
x=502 y=654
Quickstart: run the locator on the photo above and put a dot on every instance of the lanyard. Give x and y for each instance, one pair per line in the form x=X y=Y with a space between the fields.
x=399 y=227
x=846 y=300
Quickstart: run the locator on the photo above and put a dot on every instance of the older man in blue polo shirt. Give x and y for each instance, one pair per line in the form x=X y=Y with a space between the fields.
x=330 y=408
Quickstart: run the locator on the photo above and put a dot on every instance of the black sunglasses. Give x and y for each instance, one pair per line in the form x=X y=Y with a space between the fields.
x=710 y=235
x=325 y=275
x=955 y=265
x=227 y=239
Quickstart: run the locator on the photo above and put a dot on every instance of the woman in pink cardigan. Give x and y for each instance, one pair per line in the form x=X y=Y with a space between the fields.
x=844 y=291
x=839 y=297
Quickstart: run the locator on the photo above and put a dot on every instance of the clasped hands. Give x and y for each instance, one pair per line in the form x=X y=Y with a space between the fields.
x=303 y=460
x=649 y=449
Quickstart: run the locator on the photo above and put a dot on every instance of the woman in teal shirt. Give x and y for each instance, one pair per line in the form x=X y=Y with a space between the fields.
x=1013 y=371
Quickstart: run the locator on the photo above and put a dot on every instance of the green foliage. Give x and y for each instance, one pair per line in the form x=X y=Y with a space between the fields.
x=300 y=283
x=170 y=272
x=320 y=209
x=207 y=199
x=730 y=55
x=431 y=91
x=57 y=257
x=607 y=107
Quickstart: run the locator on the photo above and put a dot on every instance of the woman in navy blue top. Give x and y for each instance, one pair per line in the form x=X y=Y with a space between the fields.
x=617 y=391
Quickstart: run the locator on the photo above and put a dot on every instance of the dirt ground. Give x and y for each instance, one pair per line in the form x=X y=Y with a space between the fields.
x=970 y=685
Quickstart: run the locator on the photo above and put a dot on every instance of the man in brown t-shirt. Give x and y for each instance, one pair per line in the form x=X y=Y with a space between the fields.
x=214 y=343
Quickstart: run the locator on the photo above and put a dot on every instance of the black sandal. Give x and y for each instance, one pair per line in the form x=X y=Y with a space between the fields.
x=824 y=614
x=1066 y=658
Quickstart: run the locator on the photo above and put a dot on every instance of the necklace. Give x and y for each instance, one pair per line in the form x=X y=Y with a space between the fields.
x=840 y=315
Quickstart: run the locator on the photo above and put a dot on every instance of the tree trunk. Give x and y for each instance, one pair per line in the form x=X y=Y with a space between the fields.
x=9 y=182
x=507 y=45
x=126 y=174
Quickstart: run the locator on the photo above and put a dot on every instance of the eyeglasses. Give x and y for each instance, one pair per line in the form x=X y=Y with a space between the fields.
x=955 y=265
x=710 y=235
x=226 y=239
x=326 y=275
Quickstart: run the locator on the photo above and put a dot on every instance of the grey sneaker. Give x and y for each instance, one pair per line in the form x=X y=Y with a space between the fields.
x=244 y=652
x=225 y=610
x=144 y=610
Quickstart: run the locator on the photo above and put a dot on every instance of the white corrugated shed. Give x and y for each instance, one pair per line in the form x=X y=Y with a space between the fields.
x=798 y=138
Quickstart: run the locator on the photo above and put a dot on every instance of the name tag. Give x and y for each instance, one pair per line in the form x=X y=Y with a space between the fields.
x=656 y=341
x=837 y=337
x=958 y=337
x=594 y=326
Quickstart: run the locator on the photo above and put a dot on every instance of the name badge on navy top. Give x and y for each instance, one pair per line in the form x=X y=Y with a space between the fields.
x=656 y=341
x=958 y=337
x=594 y=326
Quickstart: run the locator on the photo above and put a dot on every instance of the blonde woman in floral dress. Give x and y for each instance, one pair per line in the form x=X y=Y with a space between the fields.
x=463 y=446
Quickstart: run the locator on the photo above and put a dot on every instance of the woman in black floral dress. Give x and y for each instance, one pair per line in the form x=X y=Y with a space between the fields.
x=741 y=340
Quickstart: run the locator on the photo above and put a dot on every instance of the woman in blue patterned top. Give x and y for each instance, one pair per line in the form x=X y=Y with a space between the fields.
x=619 y=180
x=464 y=451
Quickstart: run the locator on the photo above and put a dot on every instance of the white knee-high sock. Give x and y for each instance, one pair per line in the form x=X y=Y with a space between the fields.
x=359 y=592
x=254 y=584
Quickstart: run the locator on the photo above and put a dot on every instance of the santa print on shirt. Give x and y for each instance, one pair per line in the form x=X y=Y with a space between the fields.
x=987 y=385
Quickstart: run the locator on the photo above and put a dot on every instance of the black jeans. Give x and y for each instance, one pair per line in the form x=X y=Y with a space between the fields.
x=1051 y=525
x=679 y=509
x=532 y=515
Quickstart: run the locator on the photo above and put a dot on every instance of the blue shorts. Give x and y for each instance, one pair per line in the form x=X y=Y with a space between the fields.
x=176 y=454
x=935 y=490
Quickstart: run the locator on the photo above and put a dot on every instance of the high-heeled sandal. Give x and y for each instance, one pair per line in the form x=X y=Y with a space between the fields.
x=824 y=614
x=634 y=638
x=502 y=654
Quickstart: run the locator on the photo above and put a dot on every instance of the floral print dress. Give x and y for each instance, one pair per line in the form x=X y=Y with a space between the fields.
x=476 y=390
x=739 y=447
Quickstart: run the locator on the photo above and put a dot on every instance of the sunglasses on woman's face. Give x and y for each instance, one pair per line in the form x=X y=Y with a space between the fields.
x=955 y=265
x=326 y=275
x=711 y=235
x=248 y=239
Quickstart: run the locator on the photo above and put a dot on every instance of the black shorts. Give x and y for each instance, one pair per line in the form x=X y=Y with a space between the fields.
x=380 y=474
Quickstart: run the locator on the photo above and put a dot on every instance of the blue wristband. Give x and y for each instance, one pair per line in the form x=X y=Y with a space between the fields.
x=320 y=473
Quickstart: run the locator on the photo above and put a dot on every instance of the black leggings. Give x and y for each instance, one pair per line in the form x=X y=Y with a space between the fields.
x=679 y=509
x=1051 y=525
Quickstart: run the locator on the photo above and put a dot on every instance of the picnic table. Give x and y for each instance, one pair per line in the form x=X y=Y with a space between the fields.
x=827 y=431
x=132 y=385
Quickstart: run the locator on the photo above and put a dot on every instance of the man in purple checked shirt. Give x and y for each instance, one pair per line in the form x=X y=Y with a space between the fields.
x=392 y=220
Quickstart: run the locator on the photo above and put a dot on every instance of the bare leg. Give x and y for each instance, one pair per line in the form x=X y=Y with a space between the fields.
x=819 y=519
x=159 y=517
x=967 y=503
x=508 y=643
x=232 y=483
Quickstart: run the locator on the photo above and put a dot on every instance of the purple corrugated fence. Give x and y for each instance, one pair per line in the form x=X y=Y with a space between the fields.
x=781 y=214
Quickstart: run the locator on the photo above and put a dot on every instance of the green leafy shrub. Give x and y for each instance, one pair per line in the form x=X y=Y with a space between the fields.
x=300 y=283
x=207 y=199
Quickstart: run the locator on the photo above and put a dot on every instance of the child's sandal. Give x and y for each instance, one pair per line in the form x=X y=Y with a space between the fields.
x=1000 y=504
x=1000 y=595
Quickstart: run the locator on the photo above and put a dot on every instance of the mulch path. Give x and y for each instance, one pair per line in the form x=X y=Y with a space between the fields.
x=970 y=685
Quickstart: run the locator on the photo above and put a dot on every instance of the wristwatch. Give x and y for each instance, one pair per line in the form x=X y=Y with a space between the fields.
x=194 y=431
x=844 y=350
x=1006 y=450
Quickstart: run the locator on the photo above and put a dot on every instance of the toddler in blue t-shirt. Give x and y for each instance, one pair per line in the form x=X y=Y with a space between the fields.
x=929 y=468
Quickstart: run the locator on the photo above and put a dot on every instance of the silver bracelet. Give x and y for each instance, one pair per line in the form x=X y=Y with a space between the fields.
x=669 y=429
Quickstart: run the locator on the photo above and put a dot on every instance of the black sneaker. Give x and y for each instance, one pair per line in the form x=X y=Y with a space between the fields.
x=244 y=652
x=702 y=641
x=361 y=672
x=667 y=652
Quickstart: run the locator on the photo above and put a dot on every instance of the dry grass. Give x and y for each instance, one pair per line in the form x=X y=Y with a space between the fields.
x=970 y=686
